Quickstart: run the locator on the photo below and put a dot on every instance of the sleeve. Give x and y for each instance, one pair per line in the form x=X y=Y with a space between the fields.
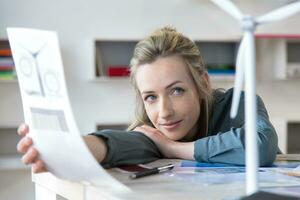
x=229 y=147
x=127 y=148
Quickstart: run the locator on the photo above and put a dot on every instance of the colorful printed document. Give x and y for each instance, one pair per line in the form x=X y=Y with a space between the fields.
x=48 y=112
x=217 y=173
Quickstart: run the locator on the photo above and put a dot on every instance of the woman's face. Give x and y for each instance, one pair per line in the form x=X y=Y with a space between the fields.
x=170 y=96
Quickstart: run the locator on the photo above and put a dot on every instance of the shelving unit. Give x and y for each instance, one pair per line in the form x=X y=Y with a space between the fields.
x=7 y=71
x=10 y=159
x=284 y=55
x=112 y=54
x=219 y=57
x=293 y=58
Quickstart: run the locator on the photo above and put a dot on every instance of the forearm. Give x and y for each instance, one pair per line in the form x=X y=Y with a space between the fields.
x=229 y=147
x=126 y=148
x=182 y=150
x=97 y=147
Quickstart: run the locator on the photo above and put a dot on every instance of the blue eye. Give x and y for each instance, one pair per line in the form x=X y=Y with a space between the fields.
x=150 y=98
x=178 y=91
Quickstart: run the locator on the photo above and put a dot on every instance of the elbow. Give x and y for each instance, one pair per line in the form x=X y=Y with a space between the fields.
x=267 y=152
x=267 y=144
x=266 y=156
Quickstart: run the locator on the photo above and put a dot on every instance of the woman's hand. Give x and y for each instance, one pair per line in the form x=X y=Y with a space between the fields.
x=30 y=153
x=168 y=147
x=164 y=144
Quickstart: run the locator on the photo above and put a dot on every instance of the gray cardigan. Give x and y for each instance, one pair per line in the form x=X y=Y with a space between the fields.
x=224 y=143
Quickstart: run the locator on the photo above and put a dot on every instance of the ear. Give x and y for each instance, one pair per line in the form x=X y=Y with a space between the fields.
x=206 y=79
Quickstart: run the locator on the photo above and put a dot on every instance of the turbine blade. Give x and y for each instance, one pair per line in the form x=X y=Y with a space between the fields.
x=229 y=7
x=239 y=79
x=280 y=13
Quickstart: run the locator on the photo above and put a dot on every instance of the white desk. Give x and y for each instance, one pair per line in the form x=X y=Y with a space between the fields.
x=156 y=187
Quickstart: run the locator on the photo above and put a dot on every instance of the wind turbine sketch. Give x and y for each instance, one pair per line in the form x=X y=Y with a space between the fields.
x=34 y=55
x=245 y=69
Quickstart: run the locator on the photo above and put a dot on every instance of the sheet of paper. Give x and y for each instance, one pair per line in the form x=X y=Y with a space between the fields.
x=47 y=109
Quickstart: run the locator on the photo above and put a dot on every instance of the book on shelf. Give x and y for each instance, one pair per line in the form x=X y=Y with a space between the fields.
x=7 y=75
x=5 y=52
x=6 y=61
x=225 y=69
x=118 y=71
x=7 y=66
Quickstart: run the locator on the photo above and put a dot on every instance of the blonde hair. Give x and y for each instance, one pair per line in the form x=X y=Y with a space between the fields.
x=168 y=42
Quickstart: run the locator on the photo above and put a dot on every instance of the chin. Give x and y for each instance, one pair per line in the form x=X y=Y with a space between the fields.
x=173 y=135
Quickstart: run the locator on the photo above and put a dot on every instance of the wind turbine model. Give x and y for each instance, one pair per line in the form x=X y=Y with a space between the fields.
x=245 y=65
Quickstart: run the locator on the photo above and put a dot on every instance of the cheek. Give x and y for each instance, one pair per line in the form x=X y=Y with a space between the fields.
x=191 y=109
x=151 y=113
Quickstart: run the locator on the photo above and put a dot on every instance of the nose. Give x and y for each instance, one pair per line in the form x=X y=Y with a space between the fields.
x=166 y=109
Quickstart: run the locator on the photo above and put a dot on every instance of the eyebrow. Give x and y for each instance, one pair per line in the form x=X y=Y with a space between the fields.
x=168 y=86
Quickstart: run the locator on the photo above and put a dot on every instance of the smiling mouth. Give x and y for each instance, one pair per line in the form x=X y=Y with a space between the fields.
x=171 y=125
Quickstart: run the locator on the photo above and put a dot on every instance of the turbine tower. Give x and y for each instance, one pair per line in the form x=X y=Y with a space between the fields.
x=245 y=68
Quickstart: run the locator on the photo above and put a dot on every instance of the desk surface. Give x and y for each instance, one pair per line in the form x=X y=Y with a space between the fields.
x=161 y=186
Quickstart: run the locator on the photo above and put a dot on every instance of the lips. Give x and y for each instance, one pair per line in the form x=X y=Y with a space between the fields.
x=171 y=125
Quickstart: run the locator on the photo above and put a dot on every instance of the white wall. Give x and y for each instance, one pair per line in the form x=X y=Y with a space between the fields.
x=79 y=22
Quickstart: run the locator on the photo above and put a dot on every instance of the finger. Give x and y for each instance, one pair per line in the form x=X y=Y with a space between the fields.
x=23 y=129
x=150 y=129
x=24 y=144
x=139 y=129
x=30 y=156
x=39 y=166
x=146 y=126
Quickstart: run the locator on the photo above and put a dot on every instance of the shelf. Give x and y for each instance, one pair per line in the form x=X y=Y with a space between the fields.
x=293 y=60
x=12 y=162
x=7 y=69
x=112 y=53
x=218 y=56
x=280 y=53
x=9 y=81
x=13 y=125
x=221 y=78
x=106 y=79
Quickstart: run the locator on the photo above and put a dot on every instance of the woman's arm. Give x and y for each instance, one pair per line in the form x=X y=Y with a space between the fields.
x=96 y=146
x=169 y=148
x=127 y=148
x=229 y=147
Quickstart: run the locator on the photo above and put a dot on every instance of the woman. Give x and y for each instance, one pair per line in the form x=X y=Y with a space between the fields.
x=178 y=115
